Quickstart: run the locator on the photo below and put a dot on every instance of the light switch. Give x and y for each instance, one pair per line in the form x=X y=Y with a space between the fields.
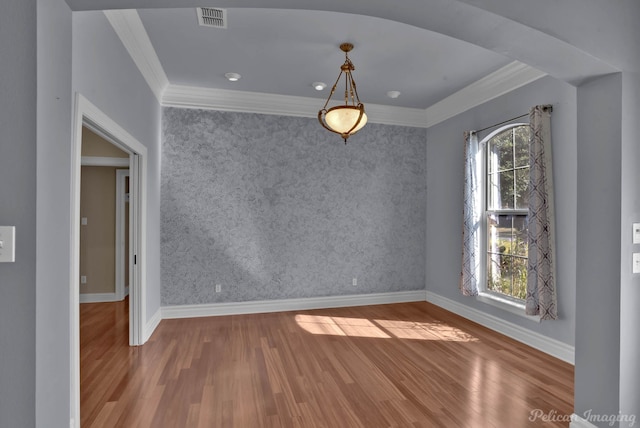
x=636 y=262
x=7 y=244
x=636 y=233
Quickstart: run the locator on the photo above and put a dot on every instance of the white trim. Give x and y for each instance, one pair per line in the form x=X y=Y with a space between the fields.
x=282 y=105
x=542 y=343
x=74 y=294
x=578 y=422
x=122 y=288
x=506 y=305
x=152 y=324
x=510 y=77
x=104 y=161
x=137 y=266
x=94 y=119
x=98 y=297
x=129 y=28
x=500 y=82
x=264 y=306
x=487 y=297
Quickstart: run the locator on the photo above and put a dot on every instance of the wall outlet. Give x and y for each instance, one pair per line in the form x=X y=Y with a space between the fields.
x=83 y=279
x=354 y=282
x=218 y=288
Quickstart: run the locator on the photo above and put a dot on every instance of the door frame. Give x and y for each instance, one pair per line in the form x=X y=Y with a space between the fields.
x=122 y=287
x=87 y=114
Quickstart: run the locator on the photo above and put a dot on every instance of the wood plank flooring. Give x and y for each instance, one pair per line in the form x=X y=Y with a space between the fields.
x=400 y=365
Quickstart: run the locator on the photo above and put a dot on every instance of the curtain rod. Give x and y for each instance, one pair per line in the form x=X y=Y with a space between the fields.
x=546 y=107
x=501 y=123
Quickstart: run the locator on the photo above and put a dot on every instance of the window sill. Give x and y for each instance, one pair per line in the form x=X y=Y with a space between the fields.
x=506 y=304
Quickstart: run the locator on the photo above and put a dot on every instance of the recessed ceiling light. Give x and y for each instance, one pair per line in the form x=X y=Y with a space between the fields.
x=232 y=77
x=393 y=94
x=318 y=86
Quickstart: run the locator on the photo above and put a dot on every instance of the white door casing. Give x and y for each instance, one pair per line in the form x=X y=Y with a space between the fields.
x=87 y=114
x=122 y=283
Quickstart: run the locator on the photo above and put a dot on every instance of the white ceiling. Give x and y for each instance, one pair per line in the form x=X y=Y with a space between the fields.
x=282 y=52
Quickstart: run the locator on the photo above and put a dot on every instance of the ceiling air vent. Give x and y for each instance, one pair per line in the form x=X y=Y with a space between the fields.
x=212 y=17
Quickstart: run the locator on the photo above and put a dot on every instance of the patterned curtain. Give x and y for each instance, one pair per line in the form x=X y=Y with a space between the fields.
x=541 y=275
x=471 y=216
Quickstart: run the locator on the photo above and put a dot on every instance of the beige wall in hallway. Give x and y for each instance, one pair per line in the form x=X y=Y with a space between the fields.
x=98 y=206
x=97 y=237
x=95 y=145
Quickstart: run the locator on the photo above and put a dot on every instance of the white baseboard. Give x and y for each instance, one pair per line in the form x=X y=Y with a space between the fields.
x=98 y=297
x=545 y=344
x=151 y=325
x=239 y=308
x=578 y=422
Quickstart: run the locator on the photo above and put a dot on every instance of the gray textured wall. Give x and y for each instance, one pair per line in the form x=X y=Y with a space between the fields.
x=276 y=207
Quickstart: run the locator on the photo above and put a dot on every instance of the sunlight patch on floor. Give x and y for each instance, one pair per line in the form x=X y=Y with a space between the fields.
x=386 y=329
x=339 y=326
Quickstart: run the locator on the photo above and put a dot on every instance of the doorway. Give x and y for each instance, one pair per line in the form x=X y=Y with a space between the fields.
x=104 y=249
x=88 y=115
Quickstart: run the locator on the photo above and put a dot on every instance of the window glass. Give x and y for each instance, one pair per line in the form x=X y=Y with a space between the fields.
x=507 y=199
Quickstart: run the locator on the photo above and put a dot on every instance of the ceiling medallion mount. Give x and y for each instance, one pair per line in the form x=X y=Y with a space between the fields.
x=348 y=118
x=346 y=47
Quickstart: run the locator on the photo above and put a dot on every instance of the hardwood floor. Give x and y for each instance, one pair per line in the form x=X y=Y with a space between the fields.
x=401 y=365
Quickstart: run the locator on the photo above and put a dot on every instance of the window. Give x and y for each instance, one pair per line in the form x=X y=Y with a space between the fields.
x=507 y=227
x=506 y=211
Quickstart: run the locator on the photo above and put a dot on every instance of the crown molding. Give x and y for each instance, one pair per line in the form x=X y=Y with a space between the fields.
x=506 y=79
x=134 y=37
x=131 y=31
x=510 y=77
x=283 y=105
x=238 y=101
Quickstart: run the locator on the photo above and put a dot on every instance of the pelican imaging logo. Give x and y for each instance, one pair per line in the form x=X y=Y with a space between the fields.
x=588 y=416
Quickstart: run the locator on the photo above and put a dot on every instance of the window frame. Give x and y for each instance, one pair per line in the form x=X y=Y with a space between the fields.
x=503 y=301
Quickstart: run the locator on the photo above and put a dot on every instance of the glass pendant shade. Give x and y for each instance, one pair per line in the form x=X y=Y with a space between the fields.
x=343 y=119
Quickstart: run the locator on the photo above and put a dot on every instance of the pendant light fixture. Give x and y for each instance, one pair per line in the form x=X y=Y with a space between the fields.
x=348 y=118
